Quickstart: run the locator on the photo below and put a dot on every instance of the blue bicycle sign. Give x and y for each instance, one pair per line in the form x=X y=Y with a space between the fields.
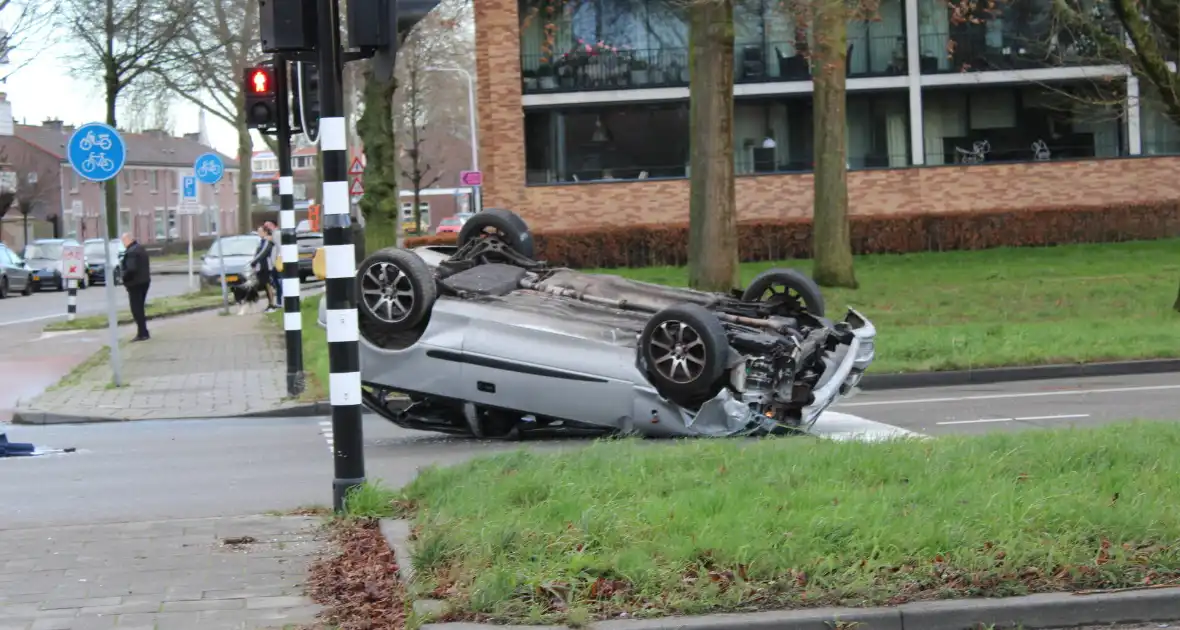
x=209 y=168
x=97 y=152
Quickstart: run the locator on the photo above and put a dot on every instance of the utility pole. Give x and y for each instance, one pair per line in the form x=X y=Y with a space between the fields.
x=292 y=318
x=340 y=260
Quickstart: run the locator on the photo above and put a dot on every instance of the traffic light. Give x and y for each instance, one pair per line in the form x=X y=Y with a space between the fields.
x=378 y=24
x=287 y=25
x=305 y=101
x=261 y=98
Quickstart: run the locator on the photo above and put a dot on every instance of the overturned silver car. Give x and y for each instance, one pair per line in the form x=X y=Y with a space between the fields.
x=486 y=341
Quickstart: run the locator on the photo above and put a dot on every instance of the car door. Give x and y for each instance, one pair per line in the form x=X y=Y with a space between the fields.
x=17 y=279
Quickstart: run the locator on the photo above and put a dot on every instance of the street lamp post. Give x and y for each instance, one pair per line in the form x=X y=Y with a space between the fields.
x=476 y=202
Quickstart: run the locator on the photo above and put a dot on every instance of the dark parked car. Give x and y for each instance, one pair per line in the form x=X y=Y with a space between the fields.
x=44 y=257
x=15 y=275
x=97 y=263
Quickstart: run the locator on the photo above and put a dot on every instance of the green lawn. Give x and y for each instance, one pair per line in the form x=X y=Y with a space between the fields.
x=998 y=307
x=736 y=525
x=156 y=307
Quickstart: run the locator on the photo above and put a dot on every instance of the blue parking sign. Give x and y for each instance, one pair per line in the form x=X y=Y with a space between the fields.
x=97 y=152
x=190 y=188
x=209 y=168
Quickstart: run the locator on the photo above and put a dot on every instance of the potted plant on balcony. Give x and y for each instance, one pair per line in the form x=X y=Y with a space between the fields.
x=545 y=77
x=639 y=72
x=529 y=77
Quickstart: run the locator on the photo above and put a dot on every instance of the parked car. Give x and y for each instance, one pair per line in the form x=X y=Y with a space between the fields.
x=44 y=257
x=97 y=263
x=308 y=242
x=239 y=249
x=450 y=225
x=15 y=275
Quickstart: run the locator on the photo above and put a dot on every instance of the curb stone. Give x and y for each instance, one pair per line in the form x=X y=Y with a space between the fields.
x=1053 y=610
x=307 y=410
x=986 y=376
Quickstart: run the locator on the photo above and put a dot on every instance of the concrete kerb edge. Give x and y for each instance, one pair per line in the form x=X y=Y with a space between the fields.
x=1053 y=610
x=872 y=382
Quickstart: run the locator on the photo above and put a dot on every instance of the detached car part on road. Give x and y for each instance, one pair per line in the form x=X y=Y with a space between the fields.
x=487 y=341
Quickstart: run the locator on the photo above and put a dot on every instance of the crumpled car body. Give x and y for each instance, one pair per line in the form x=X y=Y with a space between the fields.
x=508 y=350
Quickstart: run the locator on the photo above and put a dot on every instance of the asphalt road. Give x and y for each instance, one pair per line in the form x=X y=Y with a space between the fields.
x=195 y=468
x=45 y=306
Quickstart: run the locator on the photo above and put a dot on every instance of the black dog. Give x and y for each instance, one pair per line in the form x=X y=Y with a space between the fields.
x=247 y=292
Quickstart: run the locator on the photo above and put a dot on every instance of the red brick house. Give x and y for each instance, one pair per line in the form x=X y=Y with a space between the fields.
x=33 y=160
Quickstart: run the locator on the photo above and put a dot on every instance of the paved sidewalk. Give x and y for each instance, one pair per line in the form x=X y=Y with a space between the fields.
x=194 y=366
x=159 y=575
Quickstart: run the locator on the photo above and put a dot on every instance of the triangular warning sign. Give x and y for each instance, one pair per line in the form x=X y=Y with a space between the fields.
x=357 y=188
x=357 y=168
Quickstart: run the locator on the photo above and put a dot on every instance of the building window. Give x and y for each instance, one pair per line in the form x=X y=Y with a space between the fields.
x=154 y=178
x=127 y=181
x=161 y=223
x=1022 y=124
x=771 y=135
x=74 y=181
x=1159 y=134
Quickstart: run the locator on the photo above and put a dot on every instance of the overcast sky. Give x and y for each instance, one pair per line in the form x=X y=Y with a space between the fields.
x=44 y=89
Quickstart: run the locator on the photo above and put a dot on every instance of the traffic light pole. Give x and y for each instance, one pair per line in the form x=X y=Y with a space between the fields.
x=343 y=353
x=292 y=319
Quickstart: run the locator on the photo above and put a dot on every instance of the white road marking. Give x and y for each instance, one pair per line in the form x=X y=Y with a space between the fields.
x=326 y=431
x=1064 y=416
x=1072 y=392
x=31 y=320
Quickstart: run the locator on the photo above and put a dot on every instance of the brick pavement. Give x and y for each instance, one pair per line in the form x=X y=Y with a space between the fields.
x=199 y=365
x=158 y=575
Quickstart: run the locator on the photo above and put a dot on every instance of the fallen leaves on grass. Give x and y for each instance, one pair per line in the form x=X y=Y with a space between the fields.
x=357 y=584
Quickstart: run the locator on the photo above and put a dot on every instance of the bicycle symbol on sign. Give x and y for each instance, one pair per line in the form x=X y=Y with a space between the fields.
x=208 y=168
x=98 y=161
x=89 y=141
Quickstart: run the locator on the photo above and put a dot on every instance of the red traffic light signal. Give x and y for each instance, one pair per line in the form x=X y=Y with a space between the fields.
x=260 y=81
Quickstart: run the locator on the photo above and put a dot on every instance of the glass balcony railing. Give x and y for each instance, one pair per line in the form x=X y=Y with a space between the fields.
x=608 y=69
x=985 y=47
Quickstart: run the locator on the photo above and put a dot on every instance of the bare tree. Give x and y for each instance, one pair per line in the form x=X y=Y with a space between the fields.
x=831 y=236
x=147 y=104
x=205 y=67
x=712 y=228
x=28 y=25
x=121 y=41
x=426 y=115
x=34 y=191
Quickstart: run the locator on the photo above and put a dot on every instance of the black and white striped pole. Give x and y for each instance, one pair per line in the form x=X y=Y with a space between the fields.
x=344 y=386
x=292 y=320
x=72 y=299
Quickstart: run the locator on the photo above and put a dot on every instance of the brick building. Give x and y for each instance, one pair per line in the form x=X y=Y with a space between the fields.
x=33 y=161
x=942 y=116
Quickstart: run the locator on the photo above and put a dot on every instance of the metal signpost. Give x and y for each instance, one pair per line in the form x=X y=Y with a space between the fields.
x=209 y=169
x=188 y=206
x=97 y=153
x=73 y=263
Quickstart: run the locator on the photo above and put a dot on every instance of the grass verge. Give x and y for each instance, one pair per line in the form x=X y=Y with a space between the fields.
x=707 y=526
x=1003 y=307
x=315 y=349
x=74 y=377
x=157 y=307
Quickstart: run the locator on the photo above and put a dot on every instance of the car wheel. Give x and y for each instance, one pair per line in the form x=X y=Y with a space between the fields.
x=683 y=350
x=82 y=284
x=505 y=224
x=396 y=289
x=28 y=290
x=788 y=288
x=3 y=287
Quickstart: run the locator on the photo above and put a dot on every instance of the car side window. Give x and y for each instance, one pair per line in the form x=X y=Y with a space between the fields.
x=5 y=257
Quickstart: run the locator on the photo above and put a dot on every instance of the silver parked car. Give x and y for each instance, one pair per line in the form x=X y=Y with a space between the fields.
x=15 y=275
x=486 y=341
x=239 y=249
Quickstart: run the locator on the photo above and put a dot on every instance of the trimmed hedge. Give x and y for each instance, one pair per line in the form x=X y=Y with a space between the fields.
x=654 y=245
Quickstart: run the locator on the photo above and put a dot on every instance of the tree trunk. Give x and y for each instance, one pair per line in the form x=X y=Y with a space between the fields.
x=712 y=233
x=111 y=186
x=1176 y=306
x=831 y=239
x=245 y=171
x=375 y=128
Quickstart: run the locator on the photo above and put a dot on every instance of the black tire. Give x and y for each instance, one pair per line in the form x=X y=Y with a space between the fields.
x=61 y=284
x=28 y=286
x=3 y=287
x=789 y=286
x=82 y=284
x=683 y=350
x=395 y=289
x=503 y=223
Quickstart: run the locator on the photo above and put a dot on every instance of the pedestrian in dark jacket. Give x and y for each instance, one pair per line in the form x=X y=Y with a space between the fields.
x=261 y=264
x=137 y=278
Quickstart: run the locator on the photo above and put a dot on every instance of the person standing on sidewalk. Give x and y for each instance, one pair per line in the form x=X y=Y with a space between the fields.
x=276 y=278
x=137 y=278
